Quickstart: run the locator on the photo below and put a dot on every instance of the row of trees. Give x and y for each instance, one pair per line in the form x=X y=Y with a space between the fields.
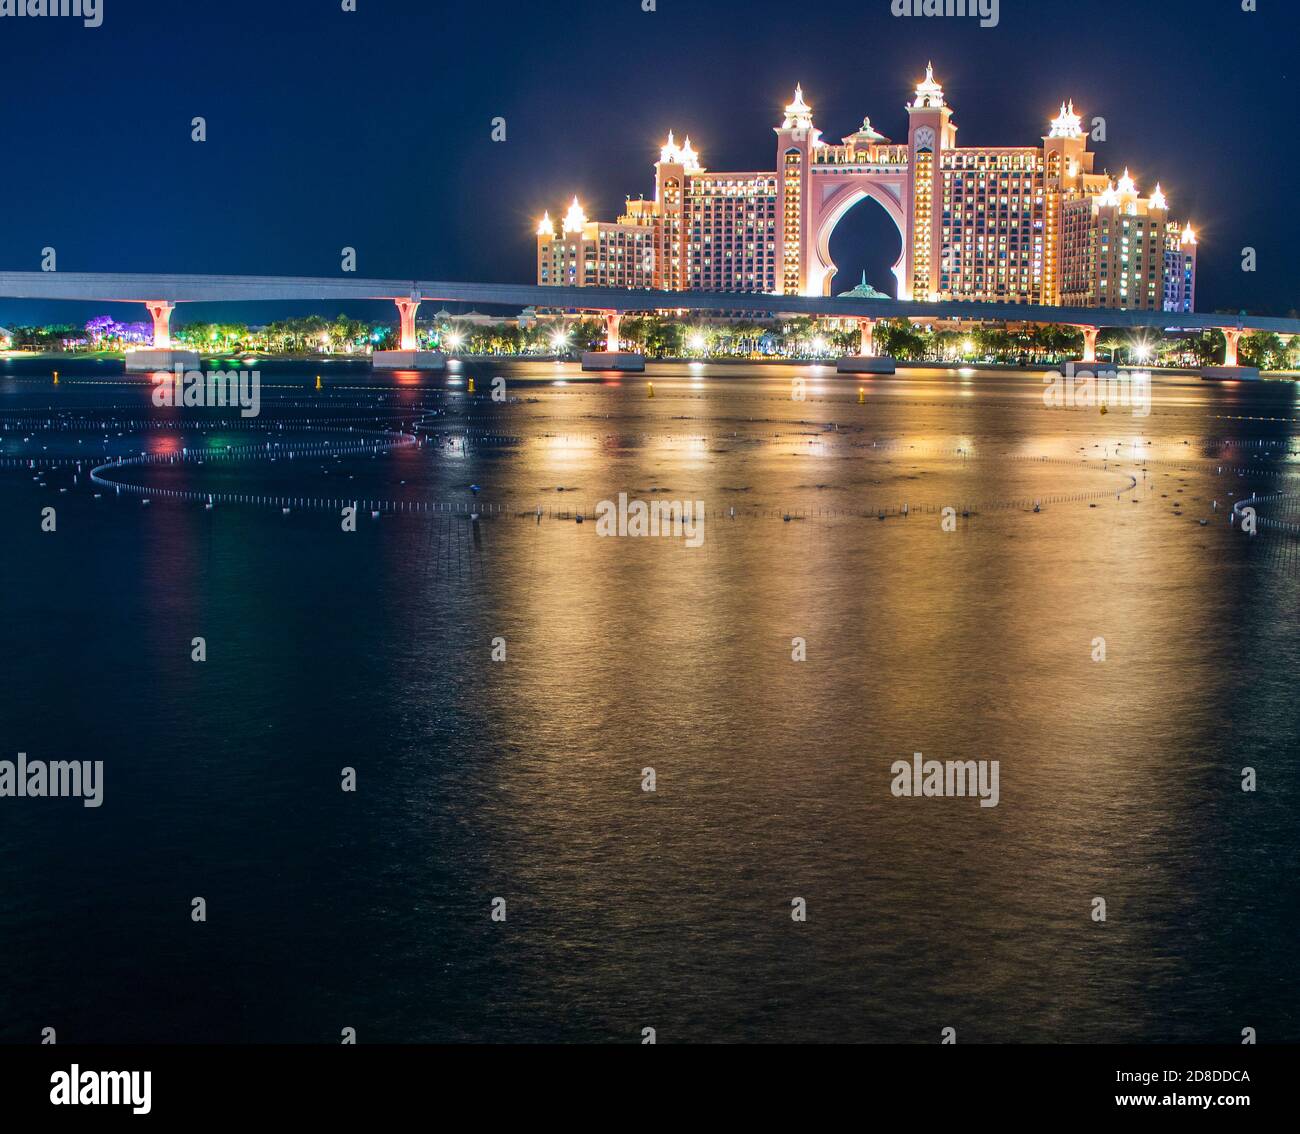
x=665 y=337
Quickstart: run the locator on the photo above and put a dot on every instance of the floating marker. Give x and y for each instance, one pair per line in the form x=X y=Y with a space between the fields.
x=862 y=396
x=650 y=389
x=470 y=387
x=318 y=385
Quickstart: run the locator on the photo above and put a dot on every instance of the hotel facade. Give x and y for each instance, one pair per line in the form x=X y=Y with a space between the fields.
x=1009 y=224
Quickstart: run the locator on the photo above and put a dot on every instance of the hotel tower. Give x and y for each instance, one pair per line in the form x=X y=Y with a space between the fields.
x=1010 y=224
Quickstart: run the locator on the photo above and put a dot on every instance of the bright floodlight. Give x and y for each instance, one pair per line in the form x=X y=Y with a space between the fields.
x=696 y=341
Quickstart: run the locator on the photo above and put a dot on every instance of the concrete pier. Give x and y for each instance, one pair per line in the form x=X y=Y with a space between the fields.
x=866 y=364
x=1230 y=374
x=408 y=360
x=613 y=360
x=150 y=359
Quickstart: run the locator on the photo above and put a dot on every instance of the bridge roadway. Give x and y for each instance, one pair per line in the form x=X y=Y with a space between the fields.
x=161 y=293
x=173 y=289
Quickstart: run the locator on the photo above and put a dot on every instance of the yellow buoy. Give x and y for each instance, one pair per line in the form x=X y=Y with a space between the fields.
x=471 y=385
x=862 y=396
x=56 y=377
x=1104 y=409
x=318 y=386
x=650 y=389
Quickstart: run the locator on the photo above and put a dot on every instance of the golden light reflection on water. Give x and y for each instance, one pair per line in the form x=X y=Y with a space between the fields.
x=523 y=777
x=973 y=644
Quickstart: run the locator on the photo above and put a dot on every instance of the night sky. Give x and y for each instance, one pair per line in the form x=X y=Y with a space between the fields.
x=372 y=129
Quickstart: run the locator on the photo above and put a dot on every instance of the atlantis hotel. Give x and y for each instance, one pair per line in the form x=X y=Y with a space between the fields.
x=1010 y=224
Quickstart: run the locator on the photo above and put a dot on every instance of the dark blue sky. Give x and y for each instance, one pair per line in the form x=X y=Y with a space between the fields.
x=372 y=129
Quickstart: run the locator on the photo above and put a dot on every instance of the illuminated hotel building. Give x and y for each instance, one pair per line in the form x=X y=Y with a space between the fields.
x=594 y=254
x=1011 y=224
x=1121 y=250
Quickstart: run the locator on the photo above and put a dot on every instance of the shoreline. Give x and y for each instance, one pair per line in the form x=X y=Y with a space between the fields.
x=902 y=364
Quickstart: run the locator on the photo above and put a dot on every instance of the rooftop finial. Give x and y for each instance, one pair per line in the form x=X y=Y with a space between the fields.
x=928 y=92
x=575 y=220
x=1067 y=124
x=798 y=115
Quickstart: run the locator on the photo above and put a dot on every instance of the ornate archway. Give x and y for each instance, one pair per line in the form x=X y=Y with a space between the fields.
x=836 y=194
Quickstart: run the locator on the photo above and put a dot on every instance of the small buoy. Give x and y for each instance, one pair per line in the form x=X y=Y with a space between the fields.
x=318 y=385
x=1037 y=506
x=862 y=396
x=650 y=387
x=1104 y=409
x=56 y=377
x=470 y=388
x=578 y=517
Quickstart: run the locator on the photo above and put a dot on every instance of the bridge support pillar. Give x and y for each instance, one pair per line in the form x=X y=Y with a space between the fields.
x=408 y=356
x=866 y=337
x=1232 y=337
x=1230 y=369
x=612 y=321
x=866 y=361
x=1090 y=343
x=162 y=355
x=406 y=309
x=611 y=358
x=162 y=319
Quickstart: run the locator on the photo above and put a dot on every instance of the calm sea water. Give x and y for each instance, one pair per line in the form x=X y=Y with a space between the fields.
x=522 y=779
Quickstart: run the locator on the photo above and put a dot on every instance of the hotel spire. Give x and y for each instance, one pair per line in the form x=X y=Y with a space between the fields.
x=928 y=92
x=575 y=220
x=1067 y=124
x=798 y=115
